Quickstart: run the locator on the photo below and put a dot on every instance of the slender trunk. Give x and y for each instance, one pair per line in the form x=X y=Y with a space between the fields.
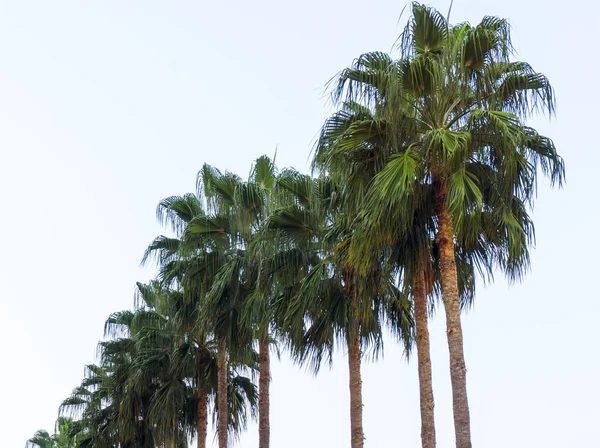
x=458 y=371
x=357 y=436
x=424 y=362
x=264 y=427
x=356 y=404
x=222 y=409
x=202 y=416
x=201 y=397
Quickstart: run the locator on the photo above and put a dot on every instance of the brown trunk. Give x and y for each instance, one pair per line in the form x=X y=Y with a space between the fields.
x=458 y=371
x=222 y=379
x=356 y=404
x=264 y=427
x=424 y=362
x=202 y=397
x=202 y=417
x=357 y=435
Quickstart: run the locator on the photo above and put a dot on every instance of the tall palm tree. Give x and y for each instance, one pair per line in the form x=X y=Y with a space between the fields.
x=247 y=204
x=454 y=107
x=191 y=261
x=173 y=255
x=259 y=186
x=353 y=147
x=331 y=304
x=221 y=280
x=204 y=260
x=351 y=150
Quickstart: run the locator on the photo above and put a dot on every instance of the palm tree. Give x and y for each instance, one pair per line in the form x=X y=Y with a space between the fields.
x=113 y=403
x=188 y=372
x=186 y=365
x=353 y=146
x=237 y=210
x=205 y=261
x=452 y=110
x=330 y=303
x=182 y=371
x=95 y=406
x=260 y=183
x=247 y=205
x=64 y=438
x=220 y=279
x=191 y=261
x=166 y=295
x=351 y=150
x=145 y=391
x=41 y=439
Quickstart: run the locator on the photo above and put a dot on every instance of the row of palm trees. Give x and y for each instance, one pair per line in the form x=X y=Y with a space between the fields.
x=422 y=182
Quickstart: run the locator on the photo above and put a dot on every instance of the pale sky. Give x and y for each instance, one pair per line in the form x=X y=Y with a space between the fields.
x=107 y=107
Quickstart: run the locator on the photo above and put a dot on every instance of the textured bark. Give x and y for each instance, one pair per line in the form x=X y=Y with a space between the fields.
x=458 y=371
x=202 y=398
x=222 y=410
x=202 y=417
x=357 y=435
x=264 y=426
x=424 y=362
x=356 y=404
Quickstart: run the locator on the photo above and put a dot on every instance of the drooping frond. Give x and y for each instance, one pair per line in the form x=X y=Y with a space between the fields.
x=176 y=211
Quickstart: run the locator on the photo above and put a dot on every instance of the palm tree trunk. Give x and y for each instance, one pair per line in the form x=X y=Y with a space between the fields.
x=202 y=417
x=264 y=426
x=222 y=408
x=201 y=396
x=356 y=404
x=357 y=435
x=458 y=371
x=424 y=361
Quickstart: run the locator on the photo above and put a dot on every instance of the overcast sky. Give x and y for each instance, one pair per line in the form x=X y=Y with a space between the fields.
x=106 y=107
